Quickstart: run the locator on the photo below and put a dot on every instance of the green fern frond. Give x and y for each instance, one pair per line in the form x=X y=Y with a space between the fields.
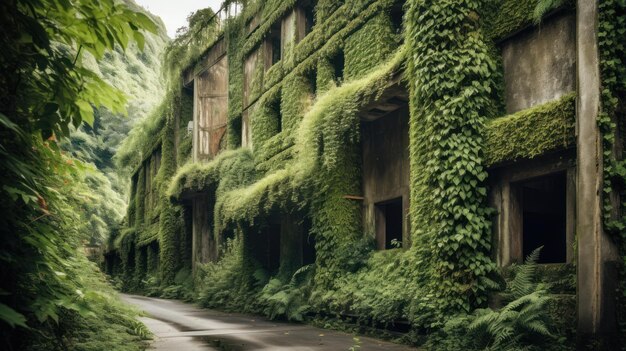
x=490 y=284
x=545 y=6
x=504 y=334
x=523 y=283
x=538 y=327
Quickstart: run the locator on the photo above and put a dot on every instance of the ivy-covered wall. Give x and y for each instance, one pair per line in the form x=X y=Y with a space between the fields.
x=612 y=122
x=305 y=161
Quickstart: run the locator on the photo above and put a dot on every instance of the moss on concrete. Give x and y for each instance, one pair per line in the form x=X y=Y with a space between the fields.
x=532 y=132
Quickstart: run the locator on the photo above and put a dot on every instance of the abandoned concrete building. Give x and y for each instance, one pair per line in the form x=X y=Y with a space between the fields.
x=318 y=133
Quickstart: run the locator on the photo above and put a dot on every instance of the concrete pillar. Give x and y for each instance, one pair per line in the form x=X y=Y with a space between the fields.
x=597 y=325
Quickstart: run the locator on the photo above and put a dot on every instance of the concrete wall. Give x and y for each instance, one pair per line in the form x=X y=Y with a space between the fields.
x=539 y=63
x=246 y=130
x=211 y=110
x=250 y=73
x=292 y=30
x=385 y=153
x=598 y=257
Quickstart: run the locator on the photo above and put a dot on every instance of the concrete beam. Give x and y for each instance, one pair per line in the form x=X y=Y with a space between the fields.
x=597 y=326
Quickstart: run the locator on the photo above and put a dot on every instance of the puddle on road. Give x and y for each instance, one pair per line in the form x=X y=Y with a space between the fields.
x=223 y=343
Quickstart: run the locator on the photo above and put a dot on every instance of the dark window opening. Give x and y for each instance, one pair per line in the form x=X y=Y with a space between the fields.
x=389 y=227
x=130 y=263
x=133 y=193
x=309 y=15
x=188 y=233
x=266 y=247
x=157 y=155
x=544 y=217
x=228 y=235
x=274 y=107
x=143 y=258
x=236 y=130
x=338 y=63
x=185 y=116
x=308 y=245
x=311 y=77
x=275 y=41
x=397 y=14
x=153 y=265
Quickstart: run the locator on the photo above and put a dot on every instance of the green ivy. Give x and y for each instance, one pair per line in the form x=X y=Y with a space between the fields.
x=306 y=157
x=453 y=79
x=506 y=17
x=612 y=123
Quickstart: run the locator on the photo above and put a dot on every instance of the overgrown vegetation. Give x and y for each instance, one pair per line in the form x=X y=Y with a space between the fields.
x=51 y=297
x=305 y=157
x=612 y=26
x=522 y=323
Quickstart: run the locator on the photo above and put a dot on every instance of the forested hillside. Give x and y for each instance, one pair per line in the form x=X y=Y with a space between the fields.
x=75 y=76
x=138 y=74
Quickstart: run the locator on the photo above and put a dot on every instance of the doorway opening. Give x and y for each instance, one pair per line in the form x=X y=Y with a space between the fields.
x=389 y=220
x=544 y=217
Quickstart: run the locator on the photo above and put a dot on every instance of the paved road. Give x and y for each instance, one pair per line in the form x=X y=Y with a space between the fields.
x=179 y=326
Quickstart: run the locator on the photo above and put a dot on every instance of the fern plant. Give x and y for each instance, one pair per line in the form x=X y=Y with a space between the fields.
x=522 y=324
x=289 y=300
x=545 y=6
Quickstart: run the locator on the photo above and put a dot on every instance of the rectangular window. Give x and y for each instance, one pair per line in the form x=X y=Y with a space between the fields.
x=266 y=246
x=544 y=217
x=235 y=126
x=389 y=220
x=309 y=15
x=338 y=62
x=275 y=113
x=397 y=13
x=311 y=77
x=276 y=42
x=308 y=244
x=133 y=193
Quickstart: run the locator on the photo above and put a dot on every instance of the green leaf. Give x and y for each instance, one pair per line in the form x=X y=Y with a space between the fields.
x=145 y=22
x=141 y=40
x=86 y=111
x=11 y=316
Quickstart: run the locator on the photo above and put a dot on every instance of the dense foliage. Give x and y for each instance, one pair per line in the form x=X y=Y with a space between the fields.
x=521 y=324
x=452 y=94
x=304 y=123
x=612 y=29
x=50 y=293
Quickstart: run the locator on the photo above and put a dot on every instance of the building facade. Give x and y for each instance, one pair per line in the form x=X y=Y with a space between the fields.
x=415 y=147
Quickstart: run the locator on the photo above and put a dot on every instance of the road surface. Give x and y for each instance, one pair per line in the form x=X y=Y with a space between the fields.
x=180 y=326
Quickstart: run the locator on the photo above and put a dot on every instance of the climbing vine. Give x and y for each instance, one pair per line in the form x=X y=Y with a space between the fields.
x=452 y=82
x=612 y=123
x=305 y=157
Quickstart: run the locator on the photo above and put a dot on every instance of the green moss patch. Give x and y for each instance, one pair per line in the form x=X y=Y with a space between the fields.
x=532 y=132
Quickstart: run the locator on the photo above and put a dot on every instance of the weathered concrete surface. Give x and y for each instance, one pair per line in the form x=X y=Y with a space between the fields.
x=180 y=326
x=210 y=110
x=597 y=277
x=385 y=153
x=539 y=63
